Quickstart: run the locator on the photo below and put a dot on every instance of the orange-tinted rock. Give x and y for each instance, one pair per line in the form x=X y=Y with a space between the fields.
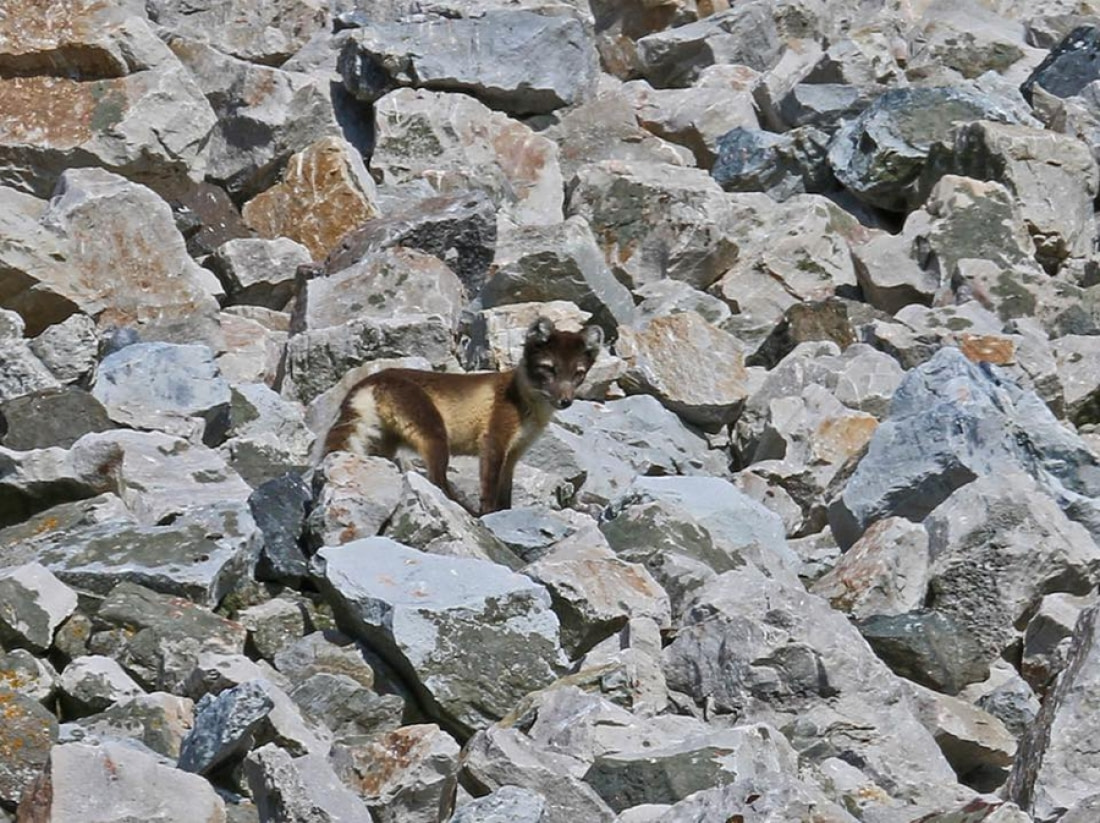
x=988 y=348
x=78 y=38
x=326 y=192
x=148 y=125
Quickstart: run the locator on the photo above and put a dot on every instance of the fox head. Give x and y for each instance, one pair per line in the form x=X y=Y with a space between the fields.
x=556 y=362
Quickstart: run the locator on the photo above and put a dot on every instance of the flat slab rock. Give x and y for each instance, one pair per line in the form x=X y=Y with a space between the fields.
x=472 y=636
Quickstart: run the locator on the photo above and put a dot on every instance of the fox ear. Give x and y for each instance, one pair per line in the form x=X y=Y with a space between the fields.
x=540 y=331
x=593 y=339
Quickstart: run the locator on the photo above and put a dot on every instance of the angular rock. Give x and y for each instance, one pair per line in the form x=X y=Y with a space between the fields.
x=508 y=804
x=340 y=704
x=28 y=675
x=460 y=229
x=740 y=529
x=662 y=359
x=160 y=721
x=744 y=35
x=253 y=349
x=950 y=422
x=68 y=348
x=325 y=192
x=879 y=155
x=498 y=757
x=299 y=789
x=595 y=593
x=267 y=35
x=455 y=142
x=426 y=519
x=1054 y=178
x=262 y=421
x=560 y=262
x=387 y=284
x=115 y=274
x=26 y=735
x=280 y=508
x=774 y=798
x=92 y=684
x=805 y=323
x=719 y=101
x=355 y=498
x=315 y=361
x=968 y=38
x=422 y=612
x=629 y=667
x=780 y=165
x=264 y=115
x=763 y=648
x=1056 y=767
x=152 y=385
x=159 y=637
x=997 y=546
x=1070 y=66
x=259 y=272
x=927 y=647
x=670 y=773
x=1076 y=358
x=117 y=776
x=225 y=727
x=1047 y=637
x=654 y=220
x=24 y=373
x=511 y=60
x=35 y=604
x=606 y=128
x=976 y=744
x=791 y=252
x=149 y=126
x=404 y=775
x=200 y=554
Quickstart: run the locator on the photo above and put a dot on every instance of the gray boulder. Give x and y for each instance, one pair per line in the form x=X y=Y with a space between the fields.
x=258 y=272
x=160 y=385
x=93 y=683
x=114 y=776
x=655 y=220
x=299 y=788
x=68 y=348
x=511 y=60
x=879 y=155
x=508 y=804
x=36 y=603
x=1056 y=768
x=423 y=613
x=950 y=422
x=225 y=727
x=560 y=262
x=455 y=142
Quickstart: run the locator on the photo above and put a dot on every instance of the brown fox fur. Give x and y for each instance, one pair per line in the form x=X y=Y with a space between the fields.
x=496 y=415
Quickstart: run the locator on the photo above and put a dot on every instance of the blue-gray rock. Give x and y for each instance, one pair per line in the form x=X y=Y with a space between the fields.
x=1070 y=66
x=513 y=60
x=160 y=638
x=879 y=155
x=508 y=804
x=822 y=105
x=772 y=798
x=780 y=165
x=300 y=789
x=425 y=614
x=950 y=422
x=225 y=726
x=739 y=526
x=156 y=385
x=606 y=445
x=927 y=647
x=202 y=554
x=52 y=417
x=280 y=508
x=530 y=531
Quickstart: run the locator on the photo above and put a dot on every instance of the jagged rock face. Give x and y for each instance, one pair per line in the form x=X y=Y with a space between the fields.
x=817 y=540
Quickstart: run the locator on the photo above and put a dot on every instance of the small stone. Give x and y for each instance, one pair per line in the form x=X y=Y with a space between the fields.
x=92 y=684
x=33 y=603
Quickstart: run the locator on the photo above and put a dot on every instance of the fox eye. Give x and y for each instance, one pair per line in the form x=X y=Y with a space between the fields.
x=580 y=373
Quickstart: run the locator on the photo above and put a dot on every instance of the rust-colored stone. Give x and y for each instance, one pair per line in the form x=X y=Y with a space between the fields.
x=325 y=193
x=988 y=348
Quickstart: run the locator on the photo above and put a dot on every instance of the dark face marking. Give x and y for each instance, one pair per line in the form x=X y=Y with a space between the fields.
x=556 y=362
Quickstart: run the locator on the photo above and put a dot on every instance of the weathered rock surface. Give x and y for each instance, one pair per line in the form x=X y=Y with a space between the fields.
x=423 y=611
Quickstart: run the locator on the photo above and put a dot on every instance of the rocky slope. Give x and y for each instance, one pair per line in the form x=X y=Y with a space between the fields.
x=820 y=544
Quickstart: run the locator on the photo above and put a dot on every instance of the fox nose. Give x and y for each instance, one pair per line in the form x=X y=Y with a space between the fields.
x=565 y=402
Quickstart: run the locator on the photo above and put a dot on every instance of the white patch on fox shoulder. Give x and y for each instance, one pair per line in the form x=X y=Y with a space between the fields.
x=367 y=431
